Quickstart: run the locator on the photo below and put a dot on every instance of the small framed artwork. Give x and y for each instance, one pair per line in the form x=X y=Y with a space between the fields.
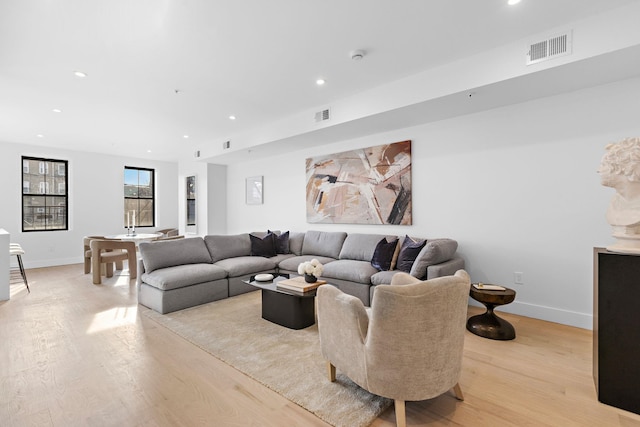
x=254 y=191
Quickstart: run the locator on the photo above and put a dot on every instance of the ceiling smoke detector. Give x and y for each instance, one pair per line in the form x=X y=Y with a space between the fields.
x=357 y=55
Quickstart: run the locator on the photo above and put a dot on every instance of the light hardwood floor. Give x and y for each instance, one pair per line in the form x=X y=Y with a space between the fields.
x=77 y=354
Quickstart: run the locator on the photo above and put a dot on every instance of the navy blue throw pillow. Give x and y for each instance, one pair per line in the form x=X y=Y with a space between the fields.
x=265 y=246
x=383 y=254
x=408 y=253
x=281 y=242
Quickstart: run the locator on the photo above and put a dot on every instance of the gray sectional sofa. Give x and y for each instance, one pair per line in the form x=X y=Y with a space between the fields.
x=177 y=274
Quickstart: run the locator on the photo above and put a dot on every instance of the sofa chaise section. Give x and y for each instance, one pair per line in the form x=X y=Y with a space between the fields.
x=233 y=254
x=178 y=274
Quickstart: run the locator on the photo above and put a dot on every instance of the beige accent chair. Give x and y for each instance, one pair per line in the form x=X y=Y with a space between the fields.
x=407 y=347
x=161 y=239
x=87 y=254
x=110 y=252
x=168 y=232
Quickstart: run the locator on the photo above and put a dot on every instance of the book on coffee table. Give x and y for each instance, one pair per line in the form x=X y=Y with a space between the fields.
x=298 y=284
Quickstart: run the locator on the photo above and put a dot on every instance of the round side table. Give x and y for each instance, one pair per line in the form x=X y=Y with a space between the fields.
x=488 y=325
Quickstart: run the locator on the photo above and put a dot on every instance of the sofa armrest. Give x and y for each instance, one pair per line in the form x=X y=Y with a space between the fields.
x=140 y=272
x=342 y=327
x=447 y=268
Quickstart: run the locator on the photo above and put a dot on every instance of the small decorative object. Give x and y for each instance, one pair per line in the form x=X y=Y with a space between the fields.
x=620 y=169
x=263 y=277
x=311 y=270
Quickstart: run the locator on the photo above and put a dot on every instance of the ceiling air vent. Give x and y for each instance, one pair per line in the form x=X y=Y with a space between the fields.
x=323 y=115
x=550 y=48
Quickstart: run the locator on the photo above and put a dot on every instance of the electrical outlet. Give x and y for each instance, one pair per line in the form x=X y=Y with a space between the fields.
x=517 y=278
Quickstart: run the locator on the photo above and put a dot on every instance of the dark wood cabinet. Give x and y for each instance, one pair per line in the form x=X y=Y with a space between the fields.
x=616 y=329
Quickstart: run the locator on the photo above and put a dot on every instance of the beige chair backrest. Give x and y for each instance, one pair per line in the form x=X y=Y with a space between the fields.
x=410 y=345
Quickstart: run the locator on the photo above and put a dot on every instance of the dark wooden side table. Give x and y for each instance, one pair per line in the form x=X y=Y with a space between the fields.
x=488 y=325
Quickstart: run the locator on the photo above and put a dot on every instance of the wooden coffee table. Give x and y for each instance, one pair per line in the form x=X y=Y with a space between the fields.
x=286 y=308
x=488 y=325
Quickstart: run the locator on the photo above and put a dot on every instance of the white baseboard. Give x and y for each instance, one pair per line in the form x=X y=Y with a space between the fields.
x=550 y=314
x=51 y=262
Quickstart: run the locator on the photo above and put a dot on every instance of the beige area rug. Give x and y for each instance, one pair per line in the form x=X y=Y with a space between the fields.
x=285 y=360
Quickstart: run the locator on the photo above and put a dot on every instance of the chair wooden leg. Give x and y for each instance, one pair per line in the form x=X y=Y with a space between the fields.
x=401 y=416
x=87 y=265
x=119 y=265
x=458 y=392
x=331 y=370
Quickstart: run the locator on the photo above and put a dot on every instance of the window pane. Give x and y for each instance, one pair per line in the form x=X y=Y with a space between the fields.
x=44 y=189
x=139 y=196
x=191 y=212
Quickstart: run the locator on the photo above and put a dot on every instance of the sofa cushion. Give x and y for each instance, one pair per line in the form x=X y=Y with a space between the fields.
x=170 y=253
x=360 y=247
x=281 y=257
x=223 y=246
x=246 y=265
x=291 y=264
x=323 y=243
x=183 y=275
x=409 y=251
x=295 y=242
x=383 y=255
x=351 y=270
x=383 y=277
x=435 y=252
x=263 y=246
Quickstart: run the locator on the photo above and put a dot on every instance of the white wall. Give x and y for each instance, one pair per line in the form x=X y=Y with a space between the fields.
x=211 y=198
x=95 y=201
x=516 y=187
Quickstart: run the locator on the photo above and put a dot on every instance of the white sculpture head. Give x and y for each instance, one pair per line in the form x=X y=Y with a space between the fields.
x=622 y=159
x=620 y=169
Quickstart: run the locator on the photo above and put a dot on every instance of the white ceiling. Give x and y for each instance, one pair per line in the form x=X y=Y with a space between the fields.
x=161 y=69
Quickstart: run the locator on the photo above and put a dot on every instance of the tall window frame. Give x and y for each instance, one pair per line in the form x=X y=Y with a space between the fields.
x=139 y=197
x=45 y=198
x=191 y=200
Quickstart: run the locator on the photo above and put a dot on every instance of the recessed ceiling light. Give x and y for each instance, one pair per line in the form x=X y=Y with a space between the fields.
x=320 y=82
x=232 y=117
x=512 y=2
x=80 y=74
x=40 y=135
x=148 y=151
x=185 y=136
x=57 y=110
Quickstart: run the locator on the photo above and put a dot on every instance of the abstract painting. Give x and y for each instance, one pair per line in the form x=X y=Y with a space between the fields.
x=365 y=186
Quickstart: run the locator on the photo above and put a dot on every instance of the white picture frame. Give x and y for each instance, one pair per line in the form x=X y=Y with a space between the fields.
x=254 y=190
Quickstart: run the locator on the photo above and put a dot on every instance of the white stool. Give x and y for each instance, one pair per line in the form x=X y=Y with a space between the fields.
x=16 y=249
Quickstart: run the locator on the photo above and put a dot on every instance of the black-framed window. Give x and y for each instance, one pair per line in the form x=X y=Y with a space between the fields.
x=45 y=199
x=191 y=200
x=139 y=197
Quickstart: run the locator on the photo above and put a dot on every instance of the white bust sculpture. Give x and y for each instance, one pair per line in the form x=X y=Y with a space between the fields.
x=620 y=169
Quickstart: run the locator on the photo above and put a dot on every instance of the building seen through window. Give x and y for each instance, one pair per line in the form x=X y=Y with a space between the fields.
x=139 y=197
x=44 y=194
